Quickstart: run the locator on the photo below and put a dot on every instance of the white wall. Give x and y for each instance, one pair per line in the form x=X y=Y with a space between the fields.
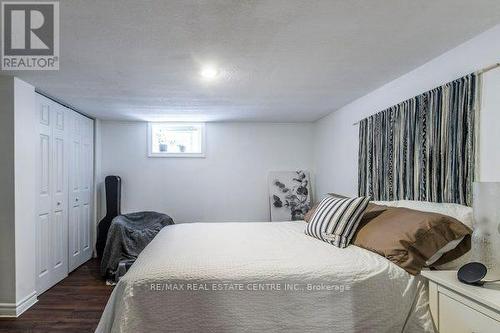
x=17 y=204
x=7 y=206
x=336 y=139
x=230 y=184
x=25 y=190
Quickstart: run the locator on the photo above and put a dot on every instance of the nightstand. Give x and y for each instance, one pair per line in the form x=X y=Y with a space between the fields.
x=457 y=307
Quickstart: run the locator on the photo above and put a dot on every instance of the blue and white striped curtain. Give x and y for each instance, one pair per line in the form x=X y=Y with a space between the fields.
x=422 y=148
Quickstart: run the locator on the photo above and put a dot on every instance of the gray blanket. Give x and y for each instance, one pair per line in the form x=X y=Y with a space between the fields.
x=128 y=235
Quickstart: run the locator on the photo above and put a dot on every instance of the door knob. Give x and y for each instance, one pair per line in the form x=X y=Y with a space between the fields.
x=59 y=203
x=76 y=199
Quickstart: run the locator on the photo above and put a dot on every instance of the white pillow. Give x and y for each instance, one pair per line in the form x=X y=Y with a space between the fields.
x=459 y=212
x=448 y=247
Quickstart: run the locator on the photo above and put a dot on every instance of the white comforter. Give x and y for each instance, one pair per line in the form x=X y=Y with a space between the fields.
x=256 y=277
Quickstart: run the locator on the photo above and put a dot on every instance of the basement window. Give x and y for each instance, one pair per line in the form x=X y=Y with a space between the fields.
x=176 y=139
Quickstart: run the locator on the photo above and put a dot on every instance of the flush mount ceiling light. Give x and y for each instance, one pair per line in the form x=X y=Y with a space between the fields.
x=209 y=73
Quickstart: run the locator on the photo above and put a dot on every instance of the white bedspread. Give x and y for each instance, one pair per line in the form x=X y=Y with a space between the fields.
x=256 y=277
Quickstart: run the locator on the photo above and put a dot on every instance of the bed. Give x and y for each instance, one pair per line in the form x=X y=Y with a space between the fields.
x=254 y=277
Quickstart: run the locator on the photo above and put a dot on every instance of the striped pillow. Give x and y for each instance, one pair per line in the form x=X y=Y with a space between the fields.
x=335 y=220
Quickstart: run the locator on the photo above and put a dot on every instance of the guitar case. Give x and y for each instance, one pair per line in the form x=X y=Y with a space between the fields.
x=113 y=186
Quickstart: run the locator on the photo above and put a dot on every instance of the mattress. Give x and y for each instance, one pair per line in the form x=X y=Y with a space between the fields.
x=254 y=277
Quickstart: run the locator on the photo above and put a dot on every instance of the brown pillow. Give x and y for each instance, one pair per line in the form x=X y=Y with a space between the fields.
x=371 y=212
x=409 y=237
x=310 y=212
x=337 y=195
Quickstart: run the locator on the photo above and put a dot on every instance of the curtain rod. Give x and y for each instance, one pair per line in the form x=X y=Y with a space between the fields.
x=481 y=71
x=489 y=68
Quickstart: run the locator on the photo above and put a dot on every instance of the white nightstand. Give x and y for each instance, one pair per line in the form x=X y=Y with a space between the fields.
x=457 y=307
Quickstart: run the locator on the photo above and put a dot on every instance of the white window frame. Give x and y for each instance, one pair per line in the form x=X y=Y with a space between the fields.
x=167 y=154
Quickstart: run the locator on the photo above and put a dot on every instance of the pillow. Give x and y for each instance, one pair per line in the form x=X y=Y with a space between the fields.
x=372 y=210
x=459 y=255
x=455 y=258
x=459 y=212
x=335 y=195
x=335 y=220
x=409 y=238
x=310 y=212
x=445 y=249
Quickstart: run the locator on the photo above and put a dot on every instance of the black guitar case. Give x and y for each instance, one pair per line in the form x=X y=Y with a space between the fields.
x=113 y=209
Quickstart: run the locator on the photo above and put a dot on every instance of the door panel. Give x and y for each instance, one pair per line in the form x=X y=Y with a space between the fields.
x=59 y=156
x=44 y=105
x=51 y=178
x=88 y=187
x=74 y=197
x=43 y=248
x=44 y=165
x=86 y=194
x=85 y=229
x=75 y=235
x=59 y=195
x=81 y=189
x=44 y=189
x=60 y=118
x=58 y=232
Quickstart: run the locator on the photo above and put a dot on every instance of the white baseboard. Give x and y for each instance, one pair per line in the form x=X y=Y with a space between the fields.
x=16 y=309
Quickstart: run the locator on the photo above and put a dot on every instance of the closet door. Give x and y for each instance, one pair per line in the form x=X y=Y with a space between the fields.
x=59 y=173
x=51 y=219
x=87 y=190
x=80 y=196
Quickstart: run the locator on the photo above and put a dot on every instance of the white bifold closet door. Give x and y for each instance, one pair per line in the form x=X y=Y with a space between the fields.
x=80 y=190
x=64 y=221
x=52 y=192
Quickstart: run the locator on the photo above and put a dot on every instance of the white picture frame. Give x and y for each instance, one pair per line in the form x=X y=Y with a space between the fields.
x=289 y=195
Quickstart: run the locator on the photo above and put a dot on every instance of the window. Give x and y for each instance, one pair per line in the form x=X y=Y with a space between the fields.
x=176 y=140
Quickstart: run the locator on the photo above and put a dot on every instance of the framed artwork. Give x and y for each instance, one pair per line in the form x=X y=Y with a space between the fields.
x=289 y=195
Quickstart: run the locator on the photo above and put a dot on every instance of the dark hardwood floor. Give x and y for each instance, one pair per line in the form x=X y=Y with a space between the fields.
x=73 y=305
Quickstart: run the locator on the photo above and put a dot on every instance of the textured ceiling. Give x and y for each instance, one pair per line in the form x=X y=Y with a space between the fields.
x=279 y=60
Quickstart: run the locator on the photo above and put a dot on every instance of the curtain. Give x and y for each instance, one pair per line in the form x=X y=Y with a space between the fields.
x=422 y=148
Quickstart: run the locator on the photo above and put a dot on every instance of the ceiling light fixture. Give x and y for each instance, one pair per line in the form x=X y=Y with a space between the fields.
x=209 y=73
